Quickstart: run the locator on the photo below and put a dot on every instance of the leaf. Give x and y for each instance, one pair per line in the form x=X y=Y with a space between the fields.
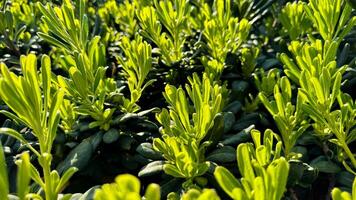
x=278 y=173
x=146 y=150
x=223 y=155
x=46 y=79
x=337 y=194
x=111 y=136
x=336 y=88
x=4 y=183
x=80 y=156
x=152 y=192
x=13 y=117
x=23 y=175
x=35 y=175
x=239 y=137
x=214 y=134
x=13 y=133
x=324 y=165
x=244 y=162
x=52 y=40
x=226 y=180
x=152 y=168
x=173 y=171
x=128 y=183
x=53 y=118
x=65 y=178
x=259 y=188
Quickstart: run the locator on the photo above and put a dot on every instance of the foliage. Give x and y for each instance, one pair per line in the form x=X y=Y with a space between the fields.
x=194 y=194
x=85 y=63
x=329 y=18
x=173 y=16
x=295 y=20
x=136 y=68
x=223 y=32
x=95 y=109
x=289 y=118
x=187 y=131
x=23 y=177
x=126 y=186
x=264 y=172
x=40 y=114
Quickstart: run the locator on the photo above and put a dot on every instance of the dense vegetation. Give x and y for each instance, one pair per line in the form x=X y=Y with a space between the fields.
x=177 y=99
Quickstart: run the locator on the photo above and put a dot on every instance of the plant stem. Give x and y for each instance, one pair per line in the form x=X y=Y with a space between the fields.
x=48 y=182
x=341 y=139
x=45 y=162
x=349 y=153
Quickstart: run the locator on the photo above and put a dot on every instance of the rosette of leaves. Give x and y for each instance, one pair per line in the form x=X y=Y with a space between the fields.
x=248 y=57
x=294 y=19
x=35 y=105
x=212 y=67
x=173 y=16
x=332 y=19
x=24 y=12
x=136 y=67
x=126 y=186
x=319 y=96
x=320 y=79
x=265 y=81
x=264 y=172
x=187 y=129
x=85 y=61
x=224 y=33
x=313 y=57
x=289 y=118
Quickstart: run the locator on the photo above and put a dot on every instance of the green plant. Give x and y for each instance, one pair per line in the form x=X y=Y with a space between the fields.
x=295 y=20
x=23 y=178
x=289 y=118
x=315 y=70
x=248 y=59
x=125 y=187
x=194 y=194
x=212 y=67
x=266 y=81
x=35 y=105
x=319 y=98
x=264 y=172
x=85 y=62
x=122 y=13
x=126 y=17
x=12 y=32
x=136 y=67
x=312 y=57
x=320 y=79
x=337 y=194
x=188 y=129
x=224 y=33
x=174 y=17
x=332 y=19
x=24 y=12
